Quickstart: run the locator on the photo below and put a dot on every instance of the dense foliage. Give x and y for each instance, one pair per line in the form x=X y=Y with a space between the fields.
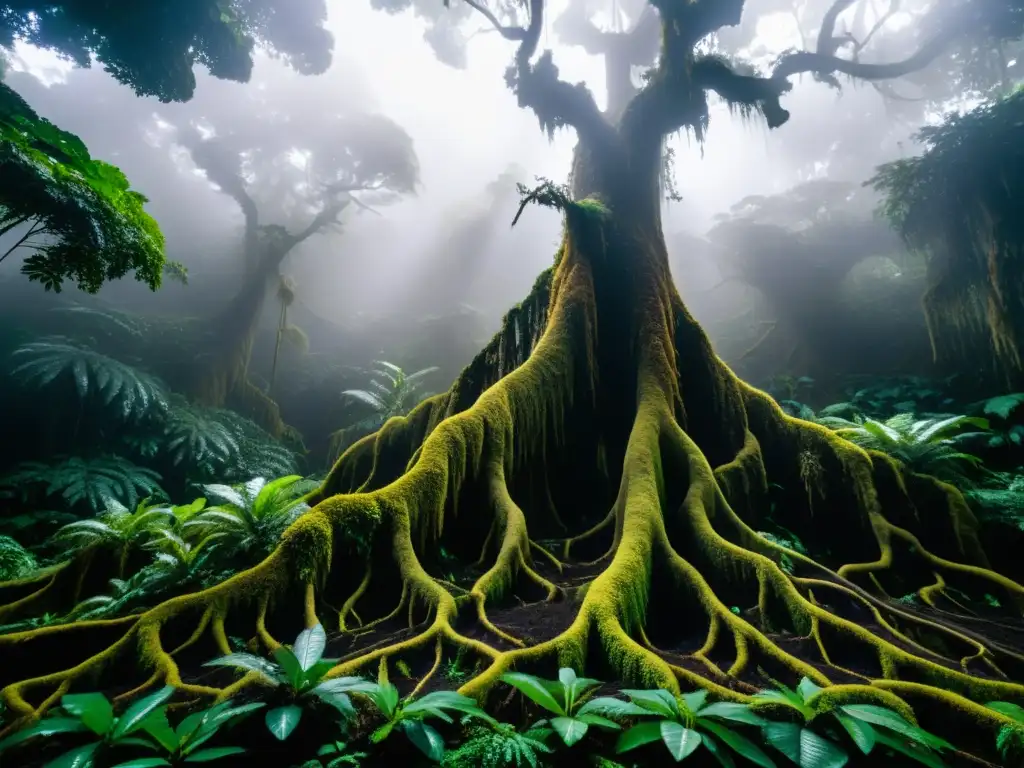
x=78 y=216
x=152 y=45
x=359 y=720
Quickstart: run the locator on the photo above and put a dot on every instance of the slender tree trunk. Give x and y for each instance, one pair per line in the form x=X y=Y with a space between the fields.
x=281 y=325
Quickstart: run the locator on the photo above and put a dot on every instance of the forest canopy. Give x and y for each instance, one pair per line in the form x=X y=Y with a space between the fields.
x=152 y=45
x=77 y=214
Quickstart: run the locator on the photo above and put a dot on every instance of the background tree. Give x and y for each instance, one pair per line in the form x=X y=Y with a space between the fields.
x=600 y=422
x=958 y=203
x=799 y=250
x=153 y=45
x=301 y=177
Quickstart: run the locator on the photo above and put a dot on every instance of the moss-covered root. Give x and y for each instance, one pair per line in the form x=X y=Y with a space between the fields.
x=472 y=449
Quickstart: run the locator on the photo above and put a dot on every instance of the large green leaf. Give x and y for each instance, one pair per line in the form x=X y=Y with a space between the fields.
x=79 y=757
x=862 y=733
x=309 y=646
x=1006 y=708
x=738 y=743
x=680 y=740
x=93 y=709
x=135 y=716
x=281 y=721
x=569 y=729
x=290 y=665
x=786 y=697
x=316 y=673
x=737 y=713
x=804 y=747
x=425 y=738
x=574 y=686
x=808 y=689
x=533 y=689
x=143 y=762
x=210 y=722
x=657 y=701
x=638 y=736
x=51 y=726
x=601 y=722
x=215 y=753
x=886 y=718
x=695 y=701
x=1003 y=405
x=611 y=707
x=385 y=697
x=249 y=663
x=155 y=724
x=914 y=751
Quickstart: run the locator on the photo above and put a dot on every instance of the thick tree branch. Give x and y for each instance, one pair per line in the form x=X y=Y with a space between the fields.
x=674 y=98
x=556 y=103
x=714 y=74
x=213 y=158
x=808 y=61
x=828 y=43
x=327 y=215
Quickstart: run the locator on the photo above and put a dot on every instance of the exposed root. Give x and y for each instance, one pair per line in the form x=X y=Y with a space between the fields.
x=686 y=594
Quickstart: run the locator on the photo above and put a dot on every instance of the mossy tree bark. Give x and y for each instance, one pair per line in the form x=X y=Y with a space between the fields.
x=227 y=337
x=597 y=458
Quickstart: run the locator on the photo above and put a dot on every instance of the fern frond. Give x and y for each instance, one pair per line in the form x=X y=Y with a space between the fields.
x=131 y=393
x=16 y=562
x=369 y=398
x=90 y=481
x=196 y=435
x=129 y=324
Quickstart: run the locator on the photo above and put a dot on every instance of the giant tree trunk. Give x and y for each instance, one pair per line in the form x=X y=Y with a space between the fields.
x=600 y=422
x=221 y=369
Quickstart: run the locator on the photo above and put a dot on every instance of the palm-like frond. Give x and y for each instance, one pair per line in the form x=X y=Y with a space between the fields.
x=371 y=399
x=109 y=320
x=178 y=561
x=258 y=454
x=253 y=515
x=90 y=481
x=128 y=391
x=396 y=393
x=929 y=446
x=123 y=594
x=197 y=436
x=119 y=526
x=1000 y=503
x=15 y=561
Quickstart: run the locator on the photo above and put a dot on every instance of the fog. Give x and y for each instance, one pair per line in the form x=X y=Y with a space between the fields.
x=468 y=133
